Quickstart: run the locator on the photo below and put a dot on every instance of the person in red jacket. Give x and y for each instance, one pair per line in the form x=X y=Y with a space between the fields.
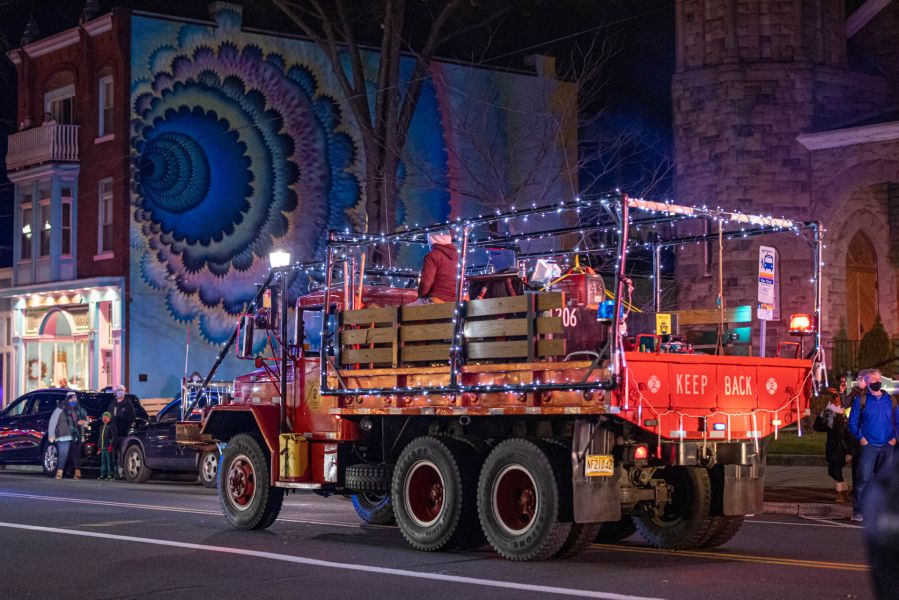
x=439 y=270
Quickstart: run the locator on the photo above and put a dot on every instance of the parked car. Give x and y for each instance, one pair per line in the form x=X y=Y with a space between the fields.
x=23 y=427
x=151 y=447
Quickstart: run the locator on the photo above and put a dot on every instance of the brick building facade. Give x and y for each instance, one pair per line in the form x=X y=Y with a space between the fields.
x=69 y=164
x=787 y=107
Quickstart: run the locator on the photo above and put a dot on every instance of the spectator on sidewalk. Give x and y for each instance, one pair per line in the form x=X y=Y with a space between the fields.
x=874 y=422
x=122 y=412
x=66 y=430
x=848 y=396
x=104 y=443
x=840 y=444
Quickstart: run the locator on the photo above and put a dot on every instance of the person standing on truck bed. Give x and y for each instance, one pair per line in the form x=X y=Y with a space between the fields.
x=873 y=422
x=439 y=270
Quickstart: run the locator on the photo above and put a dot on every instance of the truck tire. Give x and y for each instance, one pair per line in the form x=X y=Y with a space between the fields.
x=615 y=531
x=723 y=530
x=685 y=521
x=135 y=465
x=207 y=469
x=580 y=537
x=519 y=502
x=366 y=477
x=374 y=509
x=434 y=494
x=247 y=499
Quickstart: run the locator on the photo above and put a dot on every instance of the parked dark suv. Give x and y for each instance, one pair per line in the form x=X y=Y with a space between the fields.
x=152 y=447
x=23 y=426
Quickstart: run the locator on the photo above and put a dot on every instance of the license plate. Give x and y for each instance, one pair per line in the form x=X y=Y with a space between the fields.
x=599 y=465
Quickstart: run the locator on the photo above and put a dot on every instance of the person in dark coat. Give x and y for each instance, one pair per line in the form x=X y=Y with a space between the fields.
x=882 y=531
x=122 y=411
x=439 y=271
x=848 y=396
x=104 y=443
x=840 y=445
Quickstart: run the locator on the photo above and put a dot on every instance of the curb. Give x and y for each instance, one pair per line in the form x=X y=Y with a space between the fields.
x=809 y=509
x=795 y=460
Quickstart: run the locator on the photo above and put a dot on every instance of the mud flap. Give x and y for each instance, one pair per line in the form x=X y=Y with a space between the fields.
x=595 y=499
x=738 y=489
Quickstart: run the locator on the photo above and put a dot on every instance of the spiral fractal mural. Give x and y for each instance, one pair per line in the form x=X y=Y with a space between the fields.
x=236 y=152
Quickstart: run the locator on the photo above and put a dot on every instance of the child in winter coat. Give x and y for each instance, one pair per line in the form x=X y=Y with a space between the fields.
x=107 y=459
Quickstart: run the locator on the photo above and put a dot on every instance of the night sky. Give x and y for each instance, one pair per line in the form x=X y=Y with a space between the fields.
x=637 y=75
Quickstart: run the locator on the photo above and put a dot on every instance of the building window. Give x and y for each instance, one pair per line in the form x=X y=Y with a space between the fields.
x=66 y=228
x=44 y=223
x=106 y=106
x=60 y=104
x=104 y=233
x=27 y=229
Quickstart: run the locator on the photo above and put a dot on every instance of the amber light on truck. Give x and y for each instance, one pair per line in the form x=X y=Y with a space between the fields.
x=801 y=324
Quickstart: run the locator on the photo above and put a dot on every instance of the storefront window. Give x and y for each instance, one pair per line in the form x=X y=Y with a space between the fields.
x=58 y=357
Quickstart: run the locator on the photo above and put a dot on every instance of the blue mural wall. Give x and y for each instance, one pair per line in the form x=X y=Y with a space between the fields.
x=240 y=145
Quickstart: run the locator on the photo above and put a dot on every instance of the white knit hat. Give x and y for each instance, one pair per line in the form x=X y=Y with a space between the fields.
x=440 y=237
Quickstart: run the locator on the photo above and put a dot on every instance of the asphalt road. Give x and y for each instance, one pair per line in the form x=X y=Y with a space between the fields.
x=90 y=539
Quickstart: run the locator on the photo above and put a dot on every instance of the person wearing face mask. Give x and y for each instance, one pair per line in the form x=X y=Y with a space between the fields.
x=66 y=430
x=874 y=422
x=849 y=396
x=439 y=270
x=122 y=411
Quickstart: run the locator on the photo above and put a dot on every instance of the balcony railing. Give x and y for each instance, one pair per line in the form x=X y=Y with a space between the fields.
x=46 y=143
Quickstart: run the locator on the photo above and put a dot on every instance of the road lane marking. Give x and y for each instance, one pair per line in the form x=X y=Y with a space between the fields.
x=315 y=562
x=177 y=509
x=765 y=560
x=822 y=523
x=632 y=549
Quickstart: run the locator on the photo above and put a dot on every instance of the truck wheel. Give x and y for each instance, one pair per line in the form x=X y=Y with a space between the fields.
x=135 y=465
x=50 y=460
x=434 y=492
x=374 y=509
x=723 y=530
x=684 y=522
x=580 y=537
x=519 y=502
x=615 y=531
x=247 y=499
x=366 y=477
x=208 y=469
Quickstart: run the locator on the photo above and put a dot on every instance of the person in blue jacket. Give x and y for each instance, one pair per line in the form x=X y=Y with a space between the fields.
x=874 y=422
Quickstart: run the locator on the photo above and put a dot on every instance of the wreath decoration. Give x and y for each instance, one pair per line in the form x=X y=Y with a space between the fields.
x=31 y=365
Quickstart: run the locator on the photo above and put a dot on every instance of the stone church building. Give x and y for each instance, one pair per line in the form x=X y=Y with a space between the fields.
x=791 y=108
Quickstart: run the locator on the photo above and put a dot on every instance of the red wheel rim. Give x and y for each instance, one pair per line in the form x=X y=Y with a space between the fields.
x=424 y=493
x=515 y=499
x=241 y=482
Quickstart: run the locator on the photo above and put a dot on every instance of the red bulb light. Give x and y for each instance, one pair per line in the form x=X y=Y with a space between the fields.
x=641 y=453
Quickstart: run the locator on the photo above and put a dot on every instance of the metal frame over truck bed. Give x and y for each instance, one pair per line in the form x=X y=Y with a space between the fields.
x=470 y=421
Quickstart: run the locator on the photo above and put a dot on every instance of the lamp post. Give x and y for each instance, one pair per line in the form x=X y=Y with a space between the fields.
x=280 y=260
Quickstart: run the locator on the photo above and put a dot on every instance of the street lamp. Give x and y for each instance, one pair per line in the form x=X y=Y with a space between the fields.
x=279 y=258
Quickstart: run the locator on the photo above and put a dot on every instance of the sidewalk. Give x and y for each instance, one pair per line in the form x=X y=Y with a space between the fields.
x=803 y=491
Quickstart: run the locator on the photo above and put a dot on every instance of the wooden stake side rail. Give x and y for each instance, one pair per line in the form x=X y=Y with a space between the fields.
x=495 y=329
